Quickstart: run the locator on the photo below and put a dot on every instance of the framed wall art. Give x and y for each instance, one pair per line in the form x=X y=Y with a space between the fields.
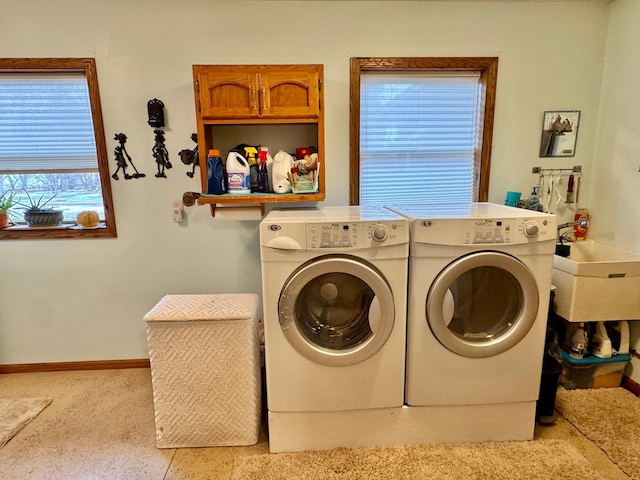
x=559 y=133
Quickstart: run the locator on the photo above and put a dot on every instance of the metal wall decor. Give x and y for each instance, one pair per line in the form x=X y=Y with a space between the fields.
x=122 y=157
x=155 y=109
x=161 y=154
x=190 y=157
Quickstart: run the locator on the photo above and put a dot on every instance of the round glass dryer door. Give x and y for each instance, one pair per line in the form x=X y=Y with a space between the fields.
x=482 y=304
x=336 y=310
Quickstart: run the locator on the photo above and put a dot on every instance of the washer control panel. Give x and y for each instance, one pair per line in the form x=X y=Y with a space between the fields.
x=366 y=234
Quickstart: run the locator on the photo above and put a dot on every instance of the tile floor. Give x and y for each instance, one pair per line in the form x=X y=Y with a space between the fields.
x=100 y=425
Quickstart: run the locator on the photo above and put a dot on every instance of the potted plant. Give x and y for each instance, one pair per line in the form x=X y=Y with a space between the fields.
x=38 y=214
x=6 y=202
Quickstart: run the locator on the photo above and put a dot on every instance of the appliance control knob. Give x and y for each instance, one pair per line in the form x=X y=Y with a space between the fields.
x=379 y=233
x=530 y=229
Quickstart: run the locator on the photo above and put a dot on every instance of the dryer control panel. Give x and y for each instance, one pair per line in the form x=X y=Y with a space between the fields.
x=488 y=231
x=341 y=235
x=507 y=230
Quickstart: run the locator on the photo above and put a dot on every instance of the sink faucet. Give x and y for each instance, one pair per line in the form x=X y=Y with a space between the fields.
x=583 y=223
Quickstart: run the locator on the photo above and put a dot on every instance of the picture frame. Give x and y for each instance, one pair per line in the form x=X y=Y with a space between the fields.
x=559 y=133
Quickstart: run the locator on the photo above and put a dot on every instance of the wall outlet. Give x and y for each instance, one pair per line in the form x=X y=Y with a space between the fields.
x=177 y=209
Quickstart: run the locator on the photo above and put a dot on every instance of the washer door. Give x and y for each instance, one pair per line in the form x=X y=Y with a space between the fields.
x=482 y=304
x=336 y=310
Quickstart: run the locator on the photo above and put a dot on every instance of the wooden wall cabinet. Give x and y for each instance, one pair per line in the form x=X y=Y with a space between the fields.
x=278 y=106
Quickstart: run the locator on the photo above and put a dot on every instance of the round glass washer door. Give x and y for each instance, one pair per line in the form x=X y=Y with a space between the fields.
x=482 y=304
x=336 y=310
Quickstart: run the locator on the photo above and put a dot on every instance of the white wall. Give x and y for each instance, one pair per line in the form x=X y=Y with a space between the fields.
x=74 y=300
x=615 y=189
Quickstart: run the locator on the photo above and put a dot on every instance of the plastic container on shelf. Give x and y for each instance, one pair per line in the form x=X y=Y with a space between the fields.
x=215 y=173
x=238 y=174
x=282 y=163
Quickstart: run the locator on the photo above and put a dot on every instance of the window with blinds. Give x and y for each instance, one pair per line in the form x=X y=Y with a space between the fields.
x=52 y=147
x=46 y=124
x=418 y=137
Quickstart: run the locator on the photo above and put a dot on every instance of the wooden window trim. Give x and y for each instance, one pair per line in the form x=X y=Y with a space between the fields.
x=87 y=66
x=488 y=68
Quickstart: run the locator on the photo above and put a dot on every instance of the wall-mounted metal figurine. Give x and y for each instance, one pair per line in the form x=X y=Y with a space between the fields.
x=121 y=157
x=190 y=157
x=161 y=154
x=156 y=113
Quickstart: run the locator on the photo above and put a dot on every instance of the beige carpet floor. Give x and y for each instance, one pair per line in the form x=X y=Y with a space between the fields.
x=535 y=460
x=100 y=426
x=619 y=434
x=16 y=413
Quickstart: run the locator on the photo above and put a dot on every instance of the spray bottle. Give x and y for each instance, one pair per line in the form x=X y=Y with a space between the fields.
x=254 y=174
x=578 y=342
x=263 y=180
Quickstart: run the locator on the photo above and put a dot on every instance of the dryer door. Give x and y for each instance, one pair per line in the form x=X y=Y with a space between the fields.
x=336 y=310
x=482 y=304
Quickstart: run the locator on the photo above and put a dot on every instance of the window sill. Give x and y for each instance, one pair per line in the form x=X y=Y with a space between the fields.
x=20 y=231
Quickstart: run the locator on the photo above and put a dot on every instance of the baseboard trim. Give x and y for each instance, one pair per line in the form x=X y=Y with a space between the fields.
x=631 y=385
x=69 y=366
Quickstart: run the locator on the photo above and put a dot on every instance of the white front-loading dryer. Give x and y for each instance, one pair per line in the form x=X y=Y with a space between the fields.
x=334 y=298
x=479 y=285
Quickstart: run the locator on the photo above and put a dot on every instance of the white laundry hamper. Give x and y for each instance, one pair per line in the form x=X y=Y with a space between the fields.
x=204 y=352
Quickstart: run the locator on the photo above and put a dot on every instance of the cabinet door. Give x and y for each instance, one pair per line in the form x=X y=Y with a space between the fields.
x=228 y=92
x=289 y=91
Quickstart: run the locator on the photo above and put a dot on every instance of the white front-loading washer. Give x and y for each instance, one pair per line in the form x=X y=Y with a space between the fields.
x=479 y=286
x=334 y=297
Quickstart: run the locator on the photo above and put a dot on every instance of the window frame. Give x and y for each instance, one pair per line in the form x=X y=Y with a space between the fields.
x=87 y=67
x=488 y=68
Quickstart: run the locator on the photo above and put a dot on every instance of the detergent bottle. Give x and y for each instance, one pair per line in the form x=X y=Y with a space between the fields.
x=254 y=173
x=237 y=174
x=282 y=163
x=600 y=342
x=215 y=173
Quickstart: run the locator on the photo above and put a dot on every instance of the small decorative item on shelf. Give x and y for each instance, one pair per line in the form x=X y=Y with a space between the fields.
x=38 y=214
x=190 y=157
x=88 y=219
x=305 y=175
x=161 y=154
x=6 y=203
x=120 y=153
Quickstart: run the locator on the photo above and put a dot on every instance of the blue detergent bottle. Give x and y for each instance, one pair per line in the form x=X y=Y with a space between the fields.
x=215 y=173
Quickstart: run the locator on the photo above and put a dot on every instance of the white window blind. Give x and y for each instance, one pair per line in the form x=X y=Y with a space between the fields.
x=46 y=124
x=417 y=137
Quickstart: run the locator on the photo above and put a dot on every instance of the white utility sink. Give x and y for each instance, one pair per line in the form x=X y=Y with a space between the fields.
x=597 y=282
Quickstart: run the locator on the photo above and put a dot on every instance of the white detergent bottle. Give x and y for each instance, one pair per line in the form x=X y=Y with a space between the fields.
x=238 y=174
x=600 y=342
x=281 y=170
